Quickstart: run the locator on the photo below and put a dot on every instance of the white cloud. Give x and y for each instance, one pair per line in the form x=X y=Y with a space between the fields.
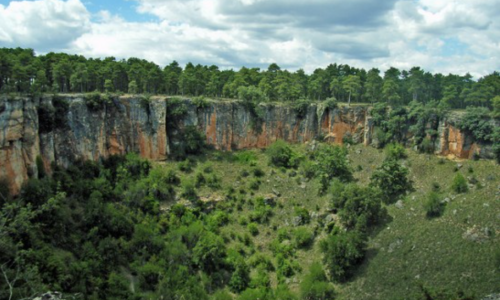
x=295 y=34
x=42 y=24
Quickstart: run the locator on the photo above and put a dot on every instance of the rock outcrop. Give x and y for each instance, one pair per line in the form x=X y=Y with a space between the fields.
x=130 y=124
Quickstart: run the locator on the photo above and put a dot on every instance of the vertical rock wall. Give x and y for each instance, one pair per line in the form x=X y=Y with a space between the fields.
x=131 y=125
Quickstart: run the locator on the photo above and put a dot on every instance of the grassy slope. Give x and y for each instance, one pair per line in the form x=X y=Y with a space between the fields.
x=407 y=251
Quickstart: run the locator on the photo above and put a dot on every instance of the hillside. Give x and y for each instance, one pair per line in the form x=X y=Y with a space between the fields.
x=253 y=229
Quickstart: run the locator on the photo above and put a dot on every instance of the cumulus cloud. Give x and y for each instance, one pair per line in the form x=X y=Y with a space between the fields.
x=438 y=35
x=43 y=25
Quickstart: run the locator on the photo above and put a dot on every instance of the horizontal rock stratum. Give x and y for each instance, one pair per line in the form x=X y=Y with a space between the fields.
x=128 y=124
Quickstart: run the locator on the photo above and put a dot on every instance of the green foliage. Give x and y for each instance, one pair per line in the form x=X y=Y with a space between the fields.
x=189 y=191
x=459 y=184
x=302 y=214
x=358 y=207
x=261 y=211
x=241 y=273
x=395 y=151
x=253 y=294
x=315 y=285
x=331 y=103
x=433 y=206
x=477 y=122
x=253 y=229
x=245 y=157
x=392 y=179
x=55 y=116
x=302 y=237
x=281 y=155
x=194 y=140
x=96 y=101
x=209 y=252
x=200 y=102
x=331 y=162
x=300 y=108
x=342 y=253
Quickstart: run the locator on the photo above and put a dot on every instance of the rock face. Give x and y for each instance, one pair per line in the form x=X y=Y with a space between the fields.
x=129 y=124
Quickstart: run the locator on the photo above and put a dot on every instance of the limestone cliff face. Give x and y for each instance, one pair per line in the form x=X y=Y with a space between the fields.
x=124 y=126
x=19 y=141
x=131 y=125
x=228 y=125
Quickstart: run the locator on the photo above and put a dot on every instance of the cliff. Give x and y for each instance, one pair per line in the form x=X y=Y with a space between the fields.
x=37 y=127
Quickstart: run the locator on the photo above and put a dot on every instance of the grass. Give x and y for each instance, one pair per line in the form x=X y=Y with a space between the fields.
x=407 y=252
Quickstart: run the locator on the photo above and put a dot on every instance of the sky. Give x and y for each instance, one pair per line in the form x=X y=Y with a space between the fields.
x=445 y=36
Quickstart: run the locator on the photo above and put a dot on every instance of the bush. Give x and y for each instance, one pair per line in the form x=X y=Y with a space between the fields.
x=302 y=237
x=477 y=121
x=315 y=285
x=258 y=172
x=433 y=206
x=300 y=108
x=359 y=207
x=459 y=184
x=189 y=191
x=95 y=101
x=303 y=215
x=199 y=180
x=396 y=151
x=331 y=162
x=200 y=102
x=281 y=155
x=245 y=157
x=194 y=140
x=253 y=229
x=255 y=184
x=342 y=253
x=392 y=179
x=186 y=165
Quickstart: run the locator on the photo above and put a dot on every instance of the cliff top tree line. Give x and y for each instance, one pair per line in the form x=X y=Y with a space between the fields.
x=21 y=71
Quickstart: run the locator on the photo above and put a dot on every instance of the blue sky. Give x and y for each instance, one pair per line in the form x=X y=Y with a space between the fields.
x=445 y=36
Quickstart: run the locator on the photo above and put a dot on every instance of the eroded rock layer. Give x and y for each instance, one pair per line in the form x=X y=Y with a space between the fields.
x=130 y=124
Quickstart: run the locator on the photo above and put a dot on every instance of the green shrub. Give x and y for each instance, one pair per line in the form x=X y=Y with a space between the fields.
x=240 y=276
x=303 y=215
x=258 y=172
x=189 y=191
x=359 y=207
x=426 y=146
x=300 y=108
x=477 y=121
x=392 y=179
x=331 y=103
x=255 y=184
x=95 y=101
x=200 y=102
x=245 y=157
x=186 y=165
x=253 y=229
x=281 y=155
x=433 y=206
x=315 y=284
x=194 y=140
x=342 y=253
x=396 y=151
x=282 y=235
x=213 y=182
x=302 y=237
x=459 y=184
x=199 y=180
x=331 y=162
